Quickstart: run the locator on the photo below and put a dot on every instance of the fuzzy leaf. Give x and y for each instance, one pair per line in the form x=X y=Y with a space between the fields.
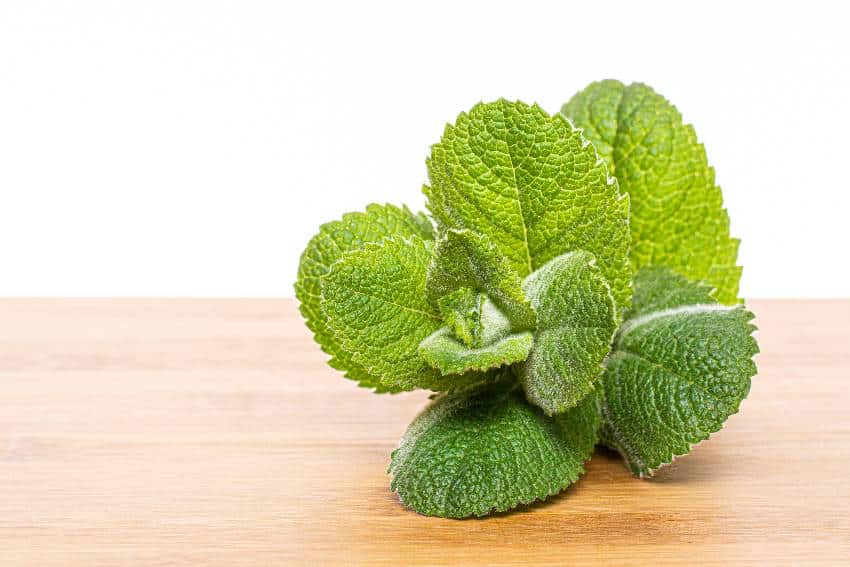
x=576 y=320
x=472 y=454
x=461 y=311
x=534 y=186
x=464 y=259
x=496 y=344
x=448 y=355
x=335 y=238
x=675 y=374
x=375 y=304
x=658 y=288
x=677 y=214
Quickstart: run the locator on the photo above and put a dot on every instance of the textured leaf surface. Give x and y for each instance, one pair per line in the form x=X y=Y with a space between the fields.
x=677 y=214
x=464 y=259
x=450 y=356
x=334 y=239
x=658 y=288
x=375 y=303
x=675 y=374
x=534 y=186
x=496 y=344
x=461 y=311
x=490 y=451
x=576 y=320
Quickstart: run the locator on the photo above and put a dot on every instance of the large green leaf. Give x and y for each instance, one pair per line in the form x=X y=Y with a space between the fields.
x=677 y=371
x=375 y=303
x=677 y=214
x=576 y=320
x=472 y=454
x=334 y=239
x=534 y=186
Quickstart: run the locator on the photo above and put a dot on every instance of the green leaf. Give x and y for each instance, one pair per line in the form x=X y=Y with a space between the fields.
x=464 y=259
x=675 y=374
x=473 y=454
x=334 y=239
x=477 y=334
x=375 y=304
x=461 y=311
x=445 y=353
x=677 y=214
x=576 y=320
x=658 y=288
x=534 y=186
x=495 y=345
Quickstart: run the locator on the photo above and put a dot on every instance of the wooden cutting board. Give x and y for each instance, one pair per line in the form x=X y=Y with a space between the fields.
x=211 y=431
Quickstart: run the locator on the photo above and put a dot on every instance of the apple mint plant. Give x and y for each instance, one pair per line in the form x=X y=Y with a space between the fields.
x=575 y=284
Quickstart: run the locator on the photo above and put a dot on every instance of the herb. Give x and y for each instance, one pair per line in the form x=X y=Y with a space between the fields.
x=577 y=285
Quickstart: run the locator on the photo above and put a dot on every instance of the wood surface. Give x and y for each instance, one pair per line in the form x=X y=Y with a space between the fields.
x=158 y=432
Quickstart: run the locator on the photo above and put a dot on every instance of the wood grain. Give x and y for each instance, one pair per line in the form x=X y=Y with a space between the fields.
x=211 y=431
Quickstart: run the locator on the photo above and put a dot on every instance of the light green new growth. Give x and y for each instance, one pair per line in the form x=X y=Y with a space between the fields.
x=480 y=298
x=534 y=186
x=490 y=451
x=375 y=303
x=527 y=308
x=495 y=344
x=464 y=259
x=462 y=311
x=677 y=371
x=576 y=320
x=445 y=353
x=677 y=215
x=335 y=238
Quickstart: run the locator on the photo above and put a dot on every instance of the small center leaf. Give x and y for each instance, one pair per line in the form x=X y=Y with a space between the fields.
x=494 y=343
x=464 y=259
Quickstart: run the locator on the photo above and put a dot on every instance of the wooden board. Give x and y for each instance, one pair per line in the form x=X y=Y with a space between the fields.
x=211 y=431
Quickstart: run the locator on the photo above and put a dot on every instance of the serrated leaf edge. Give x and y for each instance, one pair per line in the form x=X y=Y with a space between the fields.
x=390 y=388
x=687 y=125
x=641 y=470
x=572 y=479
x=423 y=221
x=610 y=179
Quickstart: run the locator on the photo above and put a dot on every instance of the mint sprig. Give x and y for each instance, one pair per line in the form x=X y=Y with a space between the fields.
x=576 y=289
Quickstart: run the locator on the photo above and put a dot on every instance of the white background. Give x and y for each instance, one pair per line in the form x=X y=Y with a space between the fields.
x=192 y=148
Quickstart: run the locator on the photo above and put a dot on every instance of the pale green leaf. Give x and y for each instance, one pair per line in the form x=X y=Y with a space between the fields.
x=677 y=214
x=472 y=454
x=461 y=311
x=375 y=303
x=333 y=240
x=448 y=355
x=675 y=374
x=534 y=186
x=464 y=259
x=495 y=344
x=576 y=320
